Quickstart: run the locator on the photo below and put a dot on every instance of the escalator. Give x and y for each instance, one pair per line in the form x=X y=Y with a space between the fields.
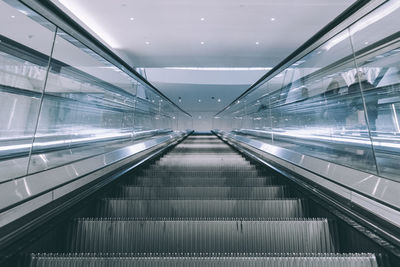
x=203 y=204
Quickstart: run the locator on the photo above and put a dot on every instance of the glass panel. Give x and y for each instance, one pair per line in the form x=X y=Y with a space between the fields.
x=87 y=102
x=25 y=47
x=312 y=107
x=376 y=40
x=147 y=113
x=339 y=103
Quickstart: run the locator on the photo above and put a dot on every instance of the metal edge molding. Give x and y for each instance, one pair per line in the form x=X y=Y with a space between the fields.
x=375 y=194
x=23 y=195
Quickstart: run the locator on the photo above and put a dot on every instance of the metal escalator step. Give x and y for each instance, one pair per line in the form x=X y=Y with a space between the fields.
x=266 y=192
x=216 y=149
x=201 y=165
x=174 y=181
x=221 y=168
x=246 y=235
x=195 y=157
x=202 y=260
x=201 y=173
x=273 y=208
x=202 y=161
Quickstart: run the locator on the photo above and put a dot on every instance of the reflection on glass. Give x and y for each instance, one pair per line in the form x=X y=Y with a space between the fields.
x=61 y=102
x=379 y=70
x=24 y=58
x=339 y=102
x=86 y=102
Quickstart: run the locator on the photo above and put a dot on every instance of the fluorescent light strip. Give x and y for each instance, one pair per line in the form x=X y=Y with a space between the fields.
x=363 y=23
x=89 y=21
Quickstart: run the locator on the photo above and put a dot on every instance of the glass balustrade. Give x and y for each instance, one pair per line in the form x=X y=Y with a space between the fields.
x=61 y=102
x=338 y=102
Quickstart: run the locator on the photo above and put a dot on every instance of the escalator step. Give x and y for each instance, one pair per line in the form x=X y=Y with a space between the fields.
x=267 y=192
x=274 y=208
x=190 y=150
x=204 y=173
x=202 y=235
x=200 y=168
x=202 y=260
x=195 y=157
x=204 y=163
x=197 y=181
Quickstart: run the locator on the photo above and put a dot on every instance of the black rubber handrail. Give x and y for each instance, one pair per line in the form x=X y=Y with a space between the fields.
x=330 y=26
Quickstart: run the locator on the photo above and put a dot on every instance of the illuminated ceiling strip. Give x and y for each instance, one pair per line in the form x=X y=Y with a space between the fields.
x=90 y=22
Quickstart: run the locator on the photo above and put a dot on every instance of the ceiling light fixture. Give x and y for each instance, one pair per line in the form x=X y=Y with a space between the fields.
x=89 y=21
x=147 y=42
x=202 y=19
x=199 y=100
x=132 y=18
x=257 y=43
x=272 y=19
x=12 y=16
x=219 y=100
x=201 y=42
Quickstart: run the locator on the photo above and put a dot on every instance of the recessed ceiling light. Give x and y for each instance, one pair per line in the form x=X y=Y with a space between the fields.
x=132 y=18
x=12 y=16
x=202 y=42
x=147 y=42
x=219 y=100
x=199 y=100
x=257 y=43
x=202 y=19
x=366 y=42
x=272 y=19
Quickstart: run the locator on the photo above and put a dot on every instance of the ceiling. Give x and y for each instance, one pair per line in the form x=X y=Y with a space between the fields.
x=236 y=33
x=168 y=36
